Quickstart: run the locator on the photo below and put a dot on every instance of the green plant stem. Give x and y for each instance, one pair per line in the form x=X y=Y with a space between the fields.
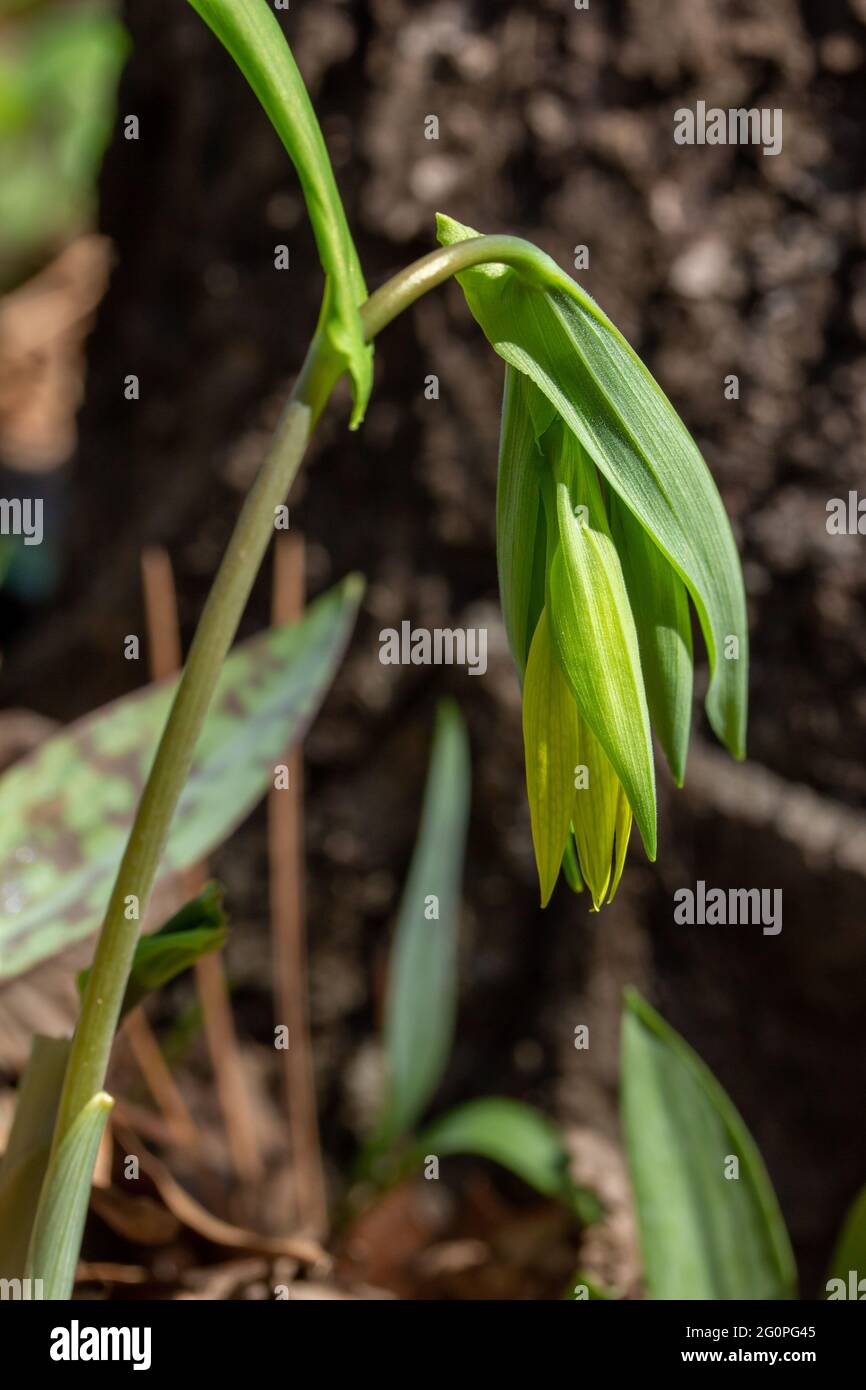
x=385 y=304
x=216 y=631
x=100 y=1008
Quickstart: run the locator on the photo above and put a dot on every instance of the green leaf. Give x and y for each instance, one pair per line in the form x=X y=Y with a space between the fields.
x=660 y=605
x=520 y=524
x=850 y=1251
x=518 y=1138
x=199 y=928
x=594 y=810
x=58 y=77
x=421 y=1000
x=252 y=35
x=547 y=327
x=623 y=832
x=66 y=809
x=551 y=744
x=594 y=634
x=703 y=1235
x=56 y=1238
x=571 y=867
x=22 y=1167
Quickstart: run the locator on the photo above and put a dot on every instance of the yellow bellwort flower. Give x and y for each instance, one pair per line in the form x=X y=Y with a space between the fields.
x=608 y=523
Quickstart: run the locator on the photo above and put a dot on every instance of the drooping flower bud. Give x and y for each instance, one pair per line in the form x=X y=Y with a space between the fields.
x=608 y=521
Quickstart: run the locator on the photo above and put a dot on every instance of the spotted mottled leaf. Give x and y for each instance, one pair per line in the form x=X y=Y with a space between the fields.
x=66 y=810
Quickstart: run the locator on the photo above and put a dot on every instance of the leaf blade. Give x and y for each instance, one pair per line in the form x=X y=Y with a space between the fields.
x=57 y=1231
x=594 y=810
x=595 y=636
x=25 y=1158
x=850 y=1250
x=520 y=542
x=702 y=1235
x=660 y=605
x=517 y=1137
x=65 y=810
x=551 y=751
x=421 y=1001
x=250 y=32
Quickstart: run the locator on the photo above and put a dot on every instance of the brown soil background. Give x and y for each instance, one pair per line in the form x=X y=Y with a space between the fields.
x=558 y=126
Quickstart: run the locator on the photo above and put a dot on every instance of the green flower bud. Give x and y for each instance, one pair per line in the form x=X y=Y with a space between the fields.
x=608 y=522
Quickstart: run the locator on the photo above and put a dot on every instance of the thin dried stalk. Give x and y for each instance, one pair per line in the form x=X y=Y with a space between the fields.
x=286 y=859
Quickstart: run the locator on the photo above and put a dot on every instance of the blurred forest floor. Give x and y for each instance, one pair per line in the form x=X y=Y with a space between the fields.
x=557 y=126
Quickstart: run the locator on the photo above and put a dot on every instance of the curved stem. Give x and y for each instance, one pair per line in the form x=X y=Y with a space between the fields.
x=410 y=284
x=100 y=1008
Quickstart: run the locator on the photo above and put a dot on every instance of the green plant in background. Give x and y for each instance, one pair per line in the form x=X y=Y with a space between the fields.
x=59 y=67
x=846 y=1277
x=421 y=1007
x=607 y=517
x=709 y=1223
x=65 y=811
x=198 y=928
x=80 y=788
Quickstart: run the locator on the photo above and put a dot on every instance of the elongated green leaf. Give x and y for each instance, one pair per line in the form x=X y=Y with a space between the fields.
x=850 y=1252
x=252 y=35
x=594 y=806
x=594 y=632
x=551 y=743
x=518 y=1138
x=520 y=524
x=56 y=1238
x=65 y=811
x=199 y=928
x=25 y=1158
x=708 y=1229
x=623 y=833
x=660 y=605
x=422 y=986
x=551 y=330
